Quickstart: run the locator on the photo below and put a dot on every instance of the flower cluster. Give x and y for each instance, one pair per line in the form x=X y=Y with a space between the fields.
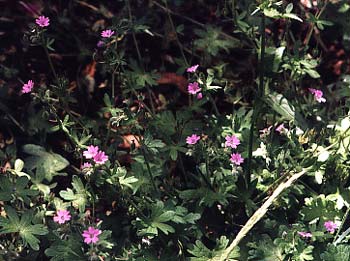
x=98 y=156
x=329 y=225
x=232 y=142
x=41 y=21
x=90 y=235
x=193 y=87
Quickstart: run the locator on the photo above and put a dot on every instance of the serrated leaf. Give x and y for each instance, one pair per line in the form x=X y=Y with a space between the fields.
x=52 y=163
x=336 y=253
x=78 y=197
x=24 y=227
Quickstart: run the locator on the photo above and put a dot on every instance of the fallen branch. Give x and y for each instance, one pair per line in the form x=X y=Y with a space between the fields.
x=259 y=214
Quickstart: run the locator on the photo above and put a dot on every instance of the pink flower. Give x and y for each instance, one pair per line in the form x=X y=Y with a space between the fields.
x=86 y=165
x=192 y=69
x=100 y=157
x=193 y=88
x=265 y=132
x=27 y=87
x=62 y=216
x=308 y=3
x=42 y=21
x=91 y=235
x=236 y=158
x=318 y=95
x=281 y=129
x=91 y=152
x=193 y=139
x=304 y=234
x=330 y=226
x=199 y=96
x=232 y=141
x=100 y=44
x=107 y=33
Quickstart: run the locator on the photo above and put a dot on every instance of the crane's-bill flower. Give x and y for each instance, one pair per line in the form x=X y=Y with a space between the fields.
x=27 y=87
x=62 y=216
x=91 y=235
x=42 y=21
x=193 y=139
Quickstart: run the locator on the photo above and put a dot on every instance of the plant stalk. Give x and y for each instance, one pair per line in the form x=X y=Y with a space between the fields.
x=257 y=102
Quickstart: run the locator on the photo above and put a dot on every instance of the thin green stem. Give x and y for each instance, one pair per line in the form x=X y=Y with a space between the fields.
x=113 y=82
x=214 y=104
x=144 y=154
x=183 y=171
x=139 y=53
x=50 y=63
x=312 y=27
x=205 y=179
x=257 y=102
x=132 y=32
x=174 y=30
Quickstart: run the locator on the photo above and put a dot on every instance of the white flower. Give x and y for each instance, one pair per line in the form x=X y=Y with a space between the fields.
x=262 y=152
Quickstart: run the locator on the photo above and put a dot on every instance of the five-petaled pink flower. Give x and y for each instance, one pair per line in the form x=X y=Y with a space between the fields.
x=42 y=21
x=62 y=216
x=236 y=158
x=27 y=87
x=304 y=234
x=192 y=69
x=91 y=235
x=91 y=152
x=193 y=139
x=318 y=95
x=281 y=129
x=107 y=33
x=193 y=88
x=100 y=157
x=330 y=226
x=232 y=141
